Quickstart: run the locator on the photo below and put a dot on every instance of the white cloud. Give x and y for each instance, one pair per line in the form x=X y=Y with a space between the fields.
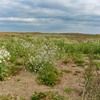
x=17 y=19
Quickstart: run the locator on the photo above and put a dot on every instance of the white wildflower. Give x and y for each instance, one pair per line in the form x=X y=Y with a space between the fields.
x=4 y=55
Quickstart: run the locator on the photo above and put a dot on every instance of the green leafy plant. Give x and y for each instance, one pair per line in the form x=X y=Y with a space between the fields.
x=7 y=71
x=48 y=75
x=4 y=71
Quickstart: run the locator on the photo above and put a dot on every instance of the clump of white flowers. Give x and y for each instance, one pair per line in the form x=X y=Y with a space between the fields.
x=4 y=55
x=44 y=52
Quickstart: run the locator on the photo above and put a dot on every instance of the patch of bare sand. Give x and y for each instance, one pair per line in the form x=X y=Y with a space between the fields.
x=22 y=85
x=25 y=84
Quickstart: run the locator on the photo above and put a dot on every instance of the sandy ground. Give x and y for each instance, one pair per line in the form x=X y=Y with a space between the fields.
x=25 y=84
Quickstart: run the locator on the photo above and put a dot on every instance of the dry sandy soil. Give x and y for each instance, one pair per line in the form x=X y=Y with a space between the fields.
x=25 y=84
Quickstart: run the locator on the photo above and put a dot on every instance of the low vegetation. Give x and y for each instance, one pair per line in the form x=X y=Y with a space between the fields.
x=10 y=97
x=38 y=54
x=47 y=96
x=68 y=90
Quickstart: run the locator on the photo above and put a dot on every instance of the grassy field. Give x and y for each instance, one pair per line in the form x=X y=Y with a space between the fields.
x=40 y=66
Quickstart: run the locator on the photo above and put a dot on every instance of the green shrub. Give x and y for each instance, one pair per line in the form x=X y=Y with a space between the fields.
x=4 y=72
x=7 y=71
x=48 y=75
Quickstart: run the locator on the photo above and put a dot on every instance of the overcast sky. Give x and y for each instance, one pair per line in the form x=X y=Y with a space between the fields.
x=50 y=15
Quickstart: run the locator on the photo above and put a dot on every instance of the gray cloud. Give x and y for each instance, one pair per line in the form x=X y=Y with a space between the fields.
x=50 y=15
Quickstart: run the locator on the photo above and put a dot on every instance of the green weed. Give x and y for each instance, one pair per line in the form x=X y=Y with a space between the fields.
x=47 y=96
x=68 y=90
x=48 y=75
